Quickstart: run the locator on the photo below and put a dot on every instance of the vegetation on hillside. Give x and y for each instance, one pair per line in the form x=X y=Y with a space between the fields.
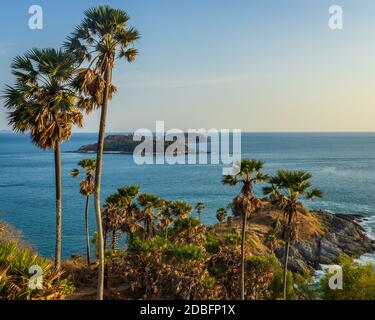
x=21 y=268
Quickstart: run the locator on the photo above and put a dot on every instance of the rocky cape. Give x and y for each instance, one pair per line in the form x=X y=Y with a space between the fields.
x=343 y=236
x=323 y=237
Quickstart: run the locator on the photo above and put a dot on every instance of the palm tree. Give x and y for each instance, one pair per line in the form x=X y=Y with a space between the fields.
x=102 y=37
x=148 y=202
x=42 y=102
x=86 y=189
x=180 y=209
x=128 y=195
x=221 y=215
x=166 y=218
x=117 y=212
x=200 y=207
x=286 y=191
x=246 y=202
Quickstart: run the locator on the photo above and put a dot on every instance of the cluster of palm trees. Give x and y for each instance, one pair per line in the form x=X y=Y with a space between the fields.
x=53 y=87
x=131 y=212
x=285 y=190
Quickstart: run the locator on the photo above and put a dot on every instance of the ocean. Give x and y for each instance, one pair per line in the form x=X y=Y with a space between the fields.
x=342 y=164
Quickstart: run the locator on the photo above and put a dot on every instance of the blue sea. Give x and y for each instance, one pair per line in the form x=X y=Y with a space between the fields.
x=342 y=164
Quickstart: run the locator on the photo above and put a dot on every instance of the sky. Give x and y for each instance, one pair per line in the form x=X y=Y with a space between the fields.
x=265 y=65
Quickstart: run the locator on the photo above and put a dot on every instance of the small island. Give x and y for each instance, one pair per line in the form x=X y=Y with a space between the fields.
x=125 y=144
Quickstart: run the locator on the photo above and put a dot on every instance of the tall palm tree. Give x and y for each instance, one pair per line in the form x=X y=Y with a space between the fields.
x=200 y=207
x=286 y=190
x=246 y=202
x=221 y=215
x=102 y=37
x=86 y=189
x=42 y=102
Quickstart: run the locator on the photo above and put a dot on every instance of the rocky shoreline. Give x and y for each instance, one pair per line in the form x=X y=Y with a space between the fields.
x=343 y=235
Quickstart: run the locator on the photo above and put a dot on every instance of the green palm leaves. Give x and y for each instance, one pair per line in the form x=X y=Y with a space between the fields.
x=180 y=209
x=41 y=100
x=103 y=33
x=102 y=37
x=87 y=184
x=129 y=211
x=249 y=174
x=120 y=213
x=43 y=103
x=287 y=188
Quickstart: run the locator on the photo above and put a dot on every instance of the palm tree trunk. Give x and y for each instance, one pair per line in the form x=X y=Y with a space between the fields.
x=58 y=206
x=87 y=230
x=105 y=238
x=114 y=239
x=243 y=239
x=98 y=177
x=166 y=233
x=285 y=275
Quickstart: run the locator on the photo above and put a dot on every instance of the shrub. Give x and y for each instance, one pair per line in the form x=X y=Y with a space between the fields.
x=189 y=230
x=15 y=263
x=138 y=245
x=183 y=252
x=276 y=288
x=153 y=277
x=358 y=282
x=213 y=242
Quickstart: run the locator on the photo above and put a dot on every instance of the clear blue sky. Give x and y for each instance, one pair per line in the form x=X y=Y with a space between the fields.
x=265 y=65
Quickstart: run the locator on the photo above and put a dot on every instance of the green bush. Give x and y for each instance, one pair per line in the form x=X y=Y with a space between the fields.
x=358 y=282
x=209 y=283
x=277 y=286
x=15 y=263
x=138 y=245
x=213 y=242
x=184 y=224
x=232 y=238
x=262 y=263
x=183 y=252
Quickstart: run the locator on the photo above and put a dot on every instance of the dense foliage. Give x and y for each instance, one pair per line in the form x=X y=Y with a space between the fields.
x=15 y=263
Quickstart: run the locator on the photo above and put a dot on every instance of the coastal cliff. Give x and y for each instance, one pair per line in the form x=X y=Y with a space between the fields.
x=342 y=236
x=323 y=237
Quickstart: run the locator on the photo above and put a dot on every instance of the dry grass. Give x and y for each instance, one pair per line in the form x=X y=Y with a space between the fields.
x=260 y=222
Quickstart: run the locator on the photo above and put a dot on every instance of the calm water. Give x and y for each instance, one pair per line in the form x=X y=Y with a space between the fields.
x=343 y=166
